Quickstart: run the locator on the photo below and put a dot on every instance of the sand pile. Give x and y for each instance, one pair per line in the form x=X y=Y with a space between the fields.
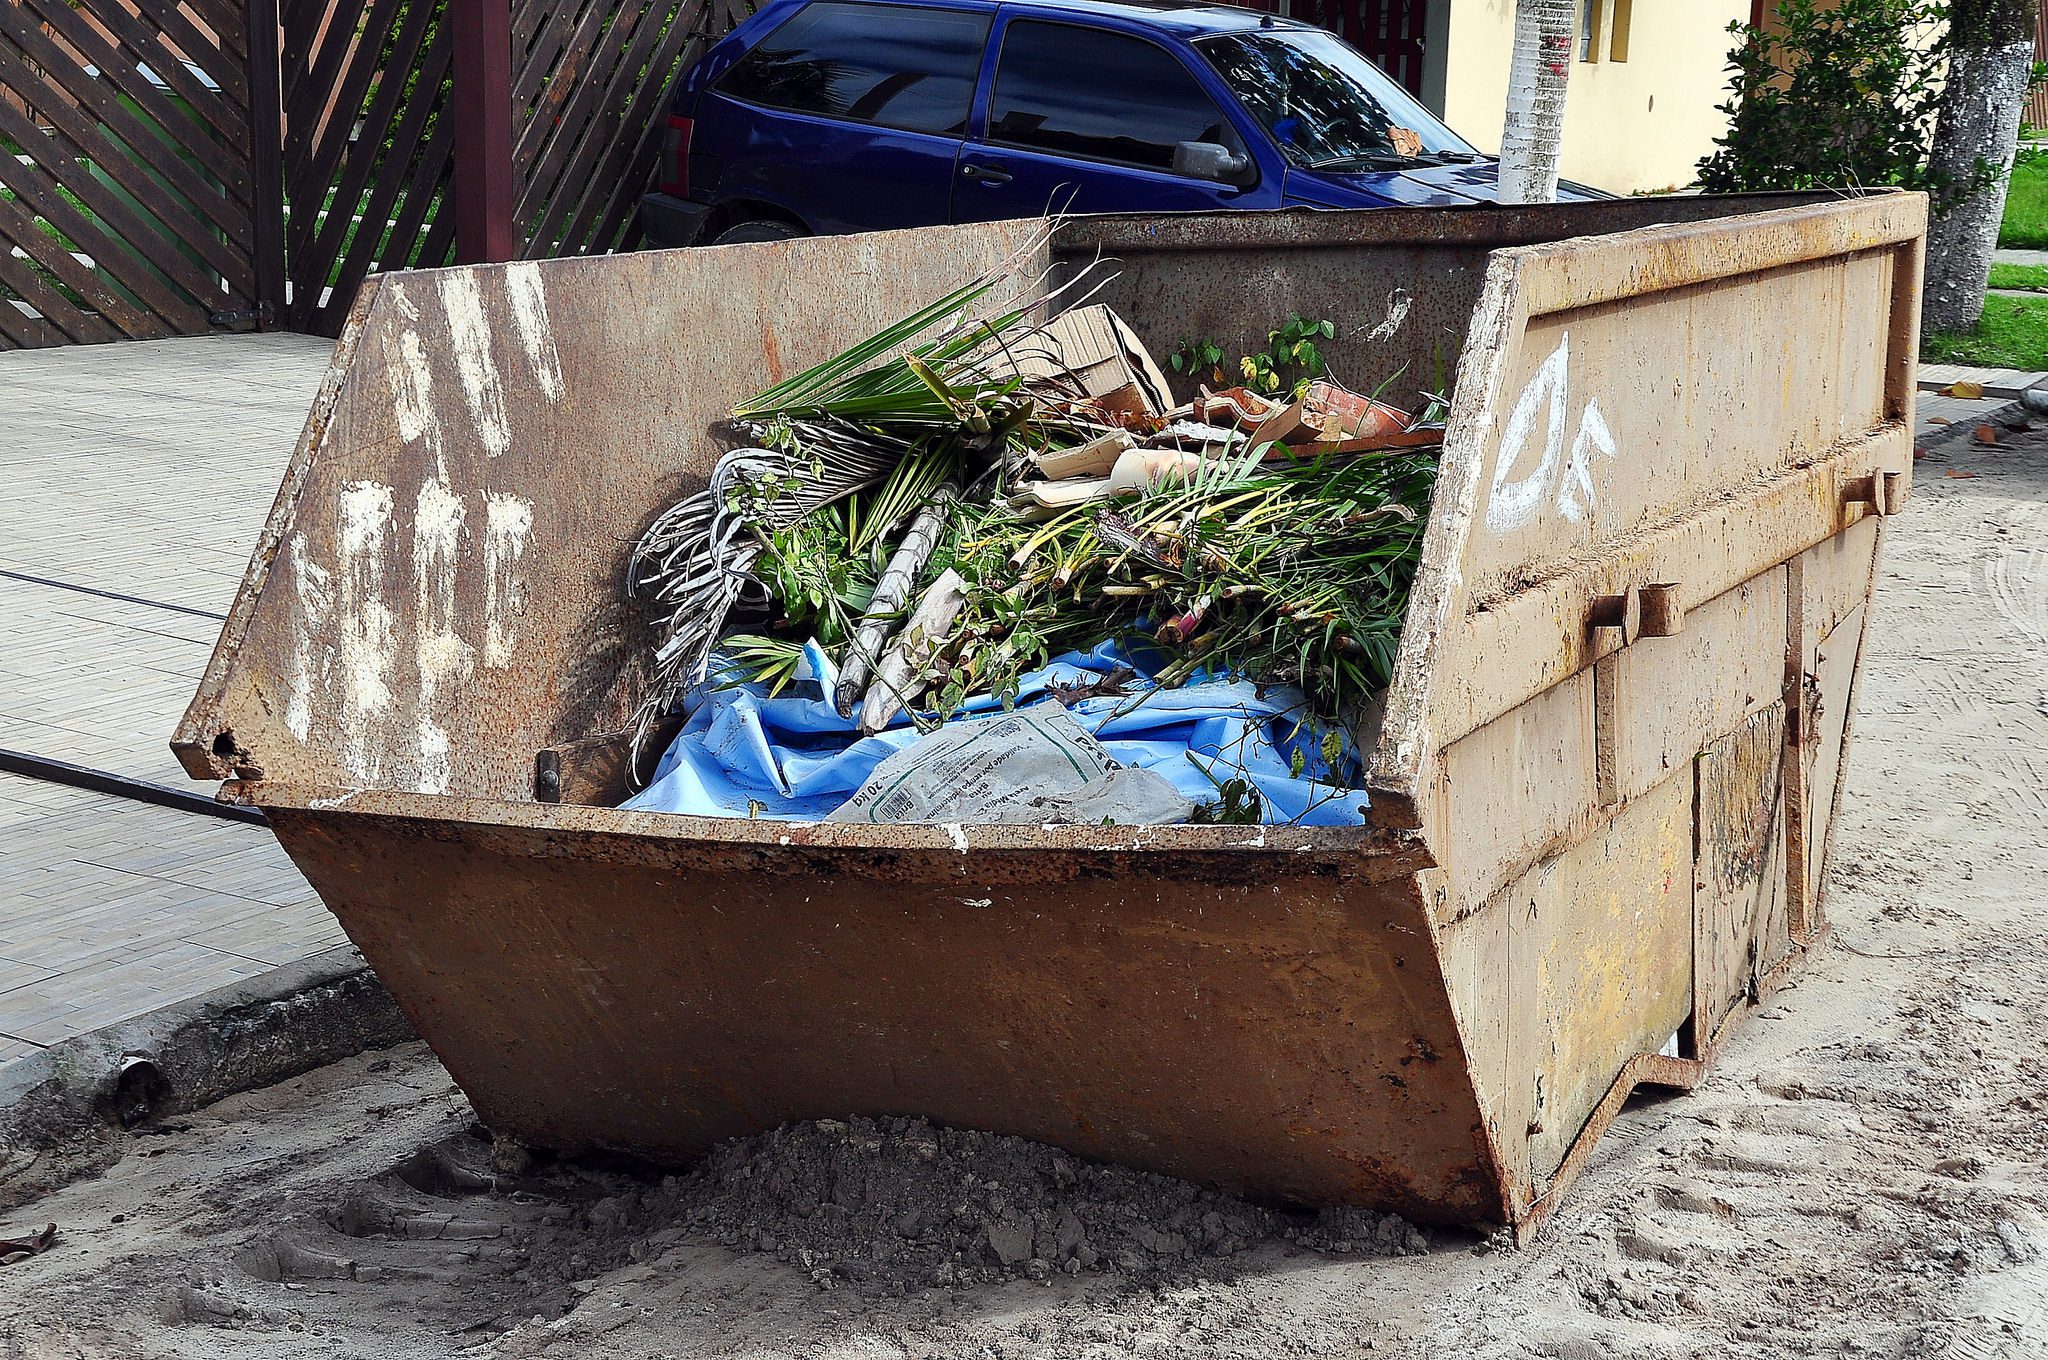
x=896 y=1205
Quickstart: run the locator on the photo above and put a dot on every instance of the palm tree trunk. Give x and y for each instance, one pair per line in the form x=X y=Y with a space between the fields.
x=1532 y=139
x=1991 y=54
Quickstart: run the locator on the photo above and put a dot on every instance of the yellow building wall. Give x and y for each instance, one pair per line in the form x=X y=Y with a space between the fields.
x=1638 y=124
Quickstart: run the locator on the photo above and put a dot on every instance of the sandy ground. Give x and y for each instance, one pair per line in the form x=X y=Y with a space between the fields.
x=1866 y=1172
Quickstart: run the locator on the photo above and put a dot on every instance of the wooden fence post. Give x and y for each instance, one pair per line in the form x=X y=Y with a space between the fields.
x=484 y=227
x=266 y=162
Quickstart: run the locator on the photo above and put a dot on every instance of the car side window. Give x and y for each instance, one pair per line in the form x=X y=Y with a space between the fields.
x=1102 y=95
x=899 y=66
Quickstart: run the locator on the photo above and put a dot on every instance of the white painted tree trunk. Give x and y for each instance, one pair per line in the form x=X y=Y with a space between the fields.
x=1533 y=138
x=1979 y=122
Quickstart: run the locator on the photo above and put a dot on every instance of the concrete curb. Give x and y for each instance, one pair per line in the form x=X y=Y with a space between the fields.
x=1995 y=388
x=1941 y=437
x=246 y=1035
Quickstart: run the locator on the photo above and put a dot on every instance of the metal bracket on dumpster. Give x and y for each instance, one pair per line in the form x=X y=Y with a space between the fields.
x=1642 y=611
x=1653 y=610
x=1883 y=492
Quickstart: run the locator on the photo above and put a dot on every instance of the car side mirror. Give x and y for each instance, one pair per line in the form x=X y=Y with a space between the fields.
x=1212 y=161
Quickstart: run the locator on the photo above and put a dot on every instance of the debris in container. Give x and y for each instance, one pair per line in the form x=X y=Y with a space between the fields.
x=901 y=674
x=974 y=507
x=1032 y=765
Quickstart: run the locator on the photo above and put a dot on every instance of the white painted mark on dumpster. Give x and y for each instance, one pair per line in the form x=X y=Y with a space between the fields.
x=1562 y=481
x=530 y=313
x=1398 y=303
x=443 y=658
x=412 y=382
x=363 y=625
x=469 y=336
x=412 y=389
x=313 y=585
x=508 y=520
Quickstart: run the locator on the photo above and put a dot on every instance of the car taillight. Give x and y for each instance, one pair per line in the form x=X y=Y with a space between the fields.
x=675 y=156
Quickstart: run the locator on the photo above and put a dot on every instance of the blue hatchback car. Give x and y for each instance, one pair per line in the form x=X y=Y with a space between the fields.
x=822 y=116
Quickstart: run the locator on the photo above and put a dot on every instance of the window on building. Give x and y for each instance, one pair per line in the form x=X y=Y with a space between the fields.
x=902 y=68
x=1589 y=30
x=1617 y=30
x=1106 y=96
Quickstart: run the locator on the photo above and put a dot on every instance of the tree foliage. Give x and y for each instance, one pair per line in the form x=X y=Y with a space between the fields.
x=1833 y=98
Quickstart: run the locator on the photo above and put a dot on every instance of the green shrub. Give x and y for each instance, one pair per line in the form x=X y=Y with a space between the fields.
x=1844 y=96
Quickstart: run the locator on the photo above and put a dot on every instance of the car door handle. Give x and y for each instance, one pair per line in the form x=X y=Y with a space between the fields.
x=984 y=174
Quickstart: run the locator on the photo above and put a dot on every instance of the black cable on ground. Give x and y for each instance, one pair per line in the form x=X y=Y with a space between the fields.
x=122 y=786
x=112 y=595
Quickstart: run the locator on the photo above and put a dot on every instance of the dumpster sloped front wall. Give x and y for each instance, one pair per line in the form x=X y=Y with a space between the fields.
x=1257 y=1012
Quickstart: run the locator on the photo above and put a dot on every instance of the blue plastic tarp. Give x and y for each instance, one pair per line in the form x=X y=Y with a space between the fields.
x=742 y=753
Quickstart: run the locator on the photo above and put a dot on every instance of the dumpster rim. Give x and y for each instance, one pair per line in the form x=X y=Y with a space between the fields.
x=1390 y=854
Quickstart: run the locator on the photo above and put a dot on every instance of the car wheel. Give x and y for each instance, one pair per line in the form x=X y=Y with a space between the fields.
x=766 y=229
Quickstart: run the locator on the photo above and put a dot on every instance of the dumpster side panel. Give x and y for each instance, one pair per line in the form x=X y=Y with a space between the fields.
x=1476 y=969
x=1828 y=584
x=440 y=593
x=1665 y=466
x=1272 y=1023
x=1599 y=968
x=1518 y=784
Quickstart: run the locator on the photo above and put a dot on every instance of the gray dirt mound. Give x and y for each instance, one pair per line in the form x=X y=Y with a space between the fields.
x=894 y=1205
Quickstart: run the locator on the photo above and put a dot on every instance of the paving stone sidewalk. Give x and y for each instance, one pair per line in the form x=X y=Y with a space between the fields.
x=137 y=475
x=1934 y=412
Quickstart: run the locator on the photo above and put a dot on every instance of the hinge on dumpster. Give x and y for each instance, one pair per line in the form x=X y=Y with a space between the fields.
x=242 y=318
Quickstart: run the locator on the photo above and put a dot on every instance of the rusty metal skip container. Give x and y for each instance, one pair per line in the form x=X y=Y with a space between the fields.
x=1600 y=796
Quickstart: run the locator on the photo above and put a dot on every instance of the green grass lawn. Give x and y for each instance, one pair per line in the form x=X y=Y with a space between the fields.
x=2026 y=203
x=2013 y=334
x=2031 y=277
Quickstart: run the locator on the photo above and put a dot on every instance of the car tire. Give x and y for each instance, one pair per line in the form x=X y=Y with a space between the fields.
x=761 y=229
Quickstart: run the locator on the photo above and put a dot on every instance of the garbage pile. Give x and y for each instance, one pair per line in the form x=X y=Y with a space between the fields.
x=982 y=568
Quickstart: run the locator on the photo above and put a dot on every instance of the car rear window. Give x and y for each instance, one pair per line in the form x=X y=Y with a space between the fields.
x=1102 y=95
x=899 y=66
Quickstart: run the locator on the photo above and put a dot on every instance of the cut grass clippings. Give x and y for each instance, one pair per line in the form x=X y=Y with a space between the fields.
x=2026 y=204
x=2032 y=278
x=2012 y=334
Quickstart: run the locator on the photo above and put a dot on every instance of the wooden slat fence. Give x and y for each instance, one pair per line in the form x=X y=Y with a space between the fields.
x=589 y=99
x=127 y=190
x=368 y=147
x=141 y=197
x=371 y=138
